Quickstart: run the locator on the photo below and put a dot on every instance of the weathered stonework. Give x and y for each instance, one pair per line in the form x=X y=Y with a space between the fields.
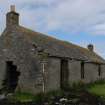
x=91 y=72
x=53 y=76
x=74 y=71
x=103 y=71
x=38 y=59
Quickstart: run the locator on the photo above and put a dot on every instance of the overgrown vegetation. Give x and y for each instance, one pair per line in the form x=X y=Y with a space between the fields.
x=21 y=97
x=80 y=85
x=97 y=88
x=28 y=97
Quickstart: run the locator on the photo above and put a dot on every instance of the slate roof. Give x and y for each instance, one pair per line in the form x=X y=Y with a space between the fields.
x=59 y=48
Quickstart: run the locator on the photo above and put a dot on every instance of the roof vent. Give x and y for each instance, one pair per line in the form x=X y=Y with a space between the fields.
x=90 y=47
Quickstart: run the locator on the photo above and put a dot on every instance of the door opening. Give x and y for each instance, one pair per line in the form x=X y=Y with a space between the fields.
x=11 y=79
x=64 y=74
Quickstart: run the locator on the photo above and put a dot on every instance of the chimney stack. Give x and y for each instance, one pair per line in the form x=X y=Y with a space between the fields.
x=12 y=17
x=90 y=47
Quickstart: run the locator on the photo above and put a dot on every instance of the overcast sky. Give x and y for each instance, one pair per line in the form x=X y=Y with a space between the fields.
x=78 y=21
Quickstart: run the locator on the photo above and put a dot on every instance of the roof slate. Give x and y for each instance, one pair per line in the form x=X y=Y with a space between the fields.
x=58 y=48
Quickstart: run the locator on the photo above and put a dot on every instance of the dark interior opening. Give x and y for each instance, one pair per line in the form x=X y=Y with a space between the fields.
x=11 y=81
x=64 y=74
x=82 y=70
x=99 y=70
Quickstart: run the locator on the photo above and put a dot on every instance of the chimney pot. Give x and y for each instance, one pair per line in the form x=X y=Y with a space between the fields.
x=90 y=47
x=12 y=8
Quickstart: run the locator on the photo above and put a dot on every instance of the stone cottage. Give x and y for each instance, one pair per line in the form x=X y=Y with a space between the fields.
x=33 y=62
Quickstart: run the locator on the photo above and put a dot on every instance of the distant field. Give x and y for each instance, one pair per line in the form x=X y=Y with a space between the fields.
x=97 y=89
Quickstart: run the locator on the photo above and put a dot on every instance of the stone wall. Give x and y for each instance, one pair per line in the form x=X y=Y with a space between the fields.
x=91 y=72
x=53 y=74
x=103 y=71
x=74 y=71
x=15 y=48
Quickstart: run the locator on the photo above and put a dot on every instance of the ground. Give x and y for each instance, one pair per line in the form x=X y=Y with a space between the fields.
x=91 y=94
x=97 y=89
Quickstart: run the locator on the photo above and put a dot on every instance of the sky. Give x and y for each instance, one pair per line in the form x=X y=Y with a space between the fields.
x=81 y=22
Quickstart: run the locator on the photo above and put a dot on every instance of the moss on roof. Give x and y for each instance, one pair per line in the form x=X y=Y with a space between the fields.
x=56 y=47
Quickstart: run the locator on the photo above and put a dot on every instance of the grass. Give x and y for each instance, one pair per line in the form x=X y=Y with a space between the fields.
x=28 y=97
x=97 y=89
x=22 y=97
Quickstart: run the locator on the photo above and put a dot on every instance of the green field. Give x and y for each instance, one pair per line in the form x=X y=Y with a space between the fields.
x=97 y=89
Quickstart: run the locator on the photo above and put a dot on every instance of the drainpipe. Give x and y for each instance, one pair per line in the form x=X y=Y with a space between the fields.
x=43 y=73
x=43 y=59
x=44 y=62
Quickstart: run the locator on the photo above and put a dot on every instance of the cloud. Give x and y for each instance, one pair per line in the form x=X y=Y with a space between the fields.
x=71 y=16
x=77 y=16
x=67 y=16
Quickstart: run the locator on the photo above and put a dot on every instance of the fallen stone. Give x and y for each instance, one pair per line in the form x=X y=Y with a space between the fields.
x=63 y=100
x=2 y=96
